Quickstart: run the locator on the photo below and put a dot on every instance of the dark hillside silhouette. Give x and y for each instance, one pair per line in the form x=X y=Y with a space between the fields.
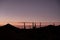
x=9 y=27
x=9 y=32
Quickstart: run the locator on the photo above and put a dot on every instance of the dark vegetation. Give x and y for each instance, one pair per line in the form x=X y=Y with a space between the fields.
x=50 y=32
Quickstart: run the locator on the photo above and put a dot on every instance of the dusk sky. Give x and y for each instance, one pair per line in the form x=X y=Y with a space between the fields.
x=29 y=10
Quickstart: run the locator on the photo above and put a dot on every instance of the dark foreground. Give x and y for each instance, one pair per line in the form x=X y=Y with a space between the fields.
x=9 y=32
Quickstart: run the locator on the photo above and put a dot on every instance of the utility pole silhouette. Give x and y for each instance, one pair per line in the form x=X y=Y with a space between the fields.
x=24 y=26
x=33 y=25
x=40 y=24
x=54 y=23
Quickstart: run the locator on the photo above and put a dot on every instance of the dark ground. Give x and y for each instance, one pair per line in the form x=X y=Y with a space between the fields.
x=50 y=32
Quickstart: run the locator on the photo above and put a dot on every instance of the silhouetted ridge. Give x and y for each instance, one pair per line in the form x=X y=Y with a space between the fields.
x=9 y=27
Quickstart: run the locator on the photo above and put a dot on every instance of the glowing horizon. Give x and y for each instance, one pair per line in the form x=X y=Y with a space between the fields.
x=30 y=23
x=29 y=11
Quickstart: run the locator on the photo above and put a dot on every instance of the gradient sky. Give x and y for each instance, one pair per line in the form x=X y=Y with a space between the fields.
x=29 y=10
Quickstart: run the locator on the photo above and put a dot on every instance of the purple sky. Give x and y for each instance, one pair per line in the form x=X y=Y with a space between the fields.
x=29 y=10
